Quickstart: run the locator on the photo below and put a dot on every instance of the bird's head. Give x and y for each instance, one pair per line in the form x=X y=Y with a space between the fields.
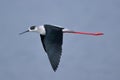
x=31 y=29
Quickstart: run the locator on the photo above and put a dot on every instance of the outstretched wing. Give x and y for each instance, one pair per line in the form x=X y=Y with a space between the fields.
x=52 y=43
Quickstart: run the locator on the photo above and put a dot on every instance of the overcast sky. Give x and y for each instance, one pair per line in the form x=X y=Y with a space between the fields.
x=83 y=58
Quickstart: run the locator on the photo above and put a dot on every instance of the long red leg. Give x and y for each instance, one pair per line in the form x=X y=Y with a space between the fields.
x=86 y=33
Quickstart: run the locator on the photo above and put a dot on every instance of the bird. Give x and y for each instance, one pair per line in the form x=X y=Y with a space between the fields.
x=52 y=40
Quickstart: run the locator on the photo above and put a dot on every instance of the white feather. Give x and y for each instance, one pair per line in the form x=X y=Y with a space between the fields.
x=41 y=30
x=64 y=30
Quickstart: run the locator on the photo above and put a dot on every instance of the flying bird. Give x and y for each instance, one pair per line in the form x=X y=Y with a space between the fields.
x=52 y=40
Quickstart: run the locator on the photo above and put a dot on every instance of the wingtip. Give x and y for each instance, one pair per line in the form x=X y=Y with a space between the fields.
x=55 y=69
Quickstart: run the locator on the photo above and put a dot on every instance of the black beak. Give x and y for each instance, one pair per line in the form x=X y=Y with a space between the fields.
x=23 y=32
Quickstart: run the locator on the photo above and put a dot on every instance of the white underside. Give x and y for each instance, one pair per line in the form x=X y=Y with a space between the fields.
x=64 y=30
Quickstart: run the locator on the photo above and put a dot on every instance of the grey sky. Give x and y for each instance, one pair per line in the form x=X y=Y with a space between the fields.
x=83 y=57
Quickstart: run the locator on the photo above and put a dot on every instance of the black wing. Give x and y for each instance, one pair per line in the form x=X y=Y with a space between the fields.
x=42 y=39
x=52 y=43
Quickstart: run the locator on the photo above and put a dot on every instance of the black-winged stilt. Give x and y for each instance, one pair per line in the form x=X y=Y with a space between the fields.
x=52 y=39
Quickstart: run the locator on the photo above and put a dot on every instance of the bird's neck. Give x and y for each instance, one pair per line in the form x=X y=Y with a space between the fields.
x=41 y=30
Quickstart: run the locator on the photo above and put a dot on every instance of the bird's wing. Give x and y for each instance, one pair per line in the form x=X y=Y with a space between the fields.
x=42 y=39
x=52 y=43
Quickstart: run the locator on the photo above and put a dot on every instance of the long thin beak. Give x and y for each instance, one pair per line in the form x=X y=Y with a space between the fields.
x=23 y=32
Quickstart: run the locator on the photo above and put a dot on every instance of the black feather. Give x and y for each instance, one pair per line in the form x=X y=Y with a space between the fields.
x=42 y=39
x=52 y=43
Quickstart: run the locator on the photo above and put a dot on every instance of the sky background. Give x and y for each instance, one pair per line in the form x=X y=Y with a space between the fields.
x=83 y=58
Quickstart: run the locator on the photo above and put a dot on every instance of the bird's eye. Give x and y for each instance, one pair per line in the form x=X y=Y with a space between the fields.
x=32 y=27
